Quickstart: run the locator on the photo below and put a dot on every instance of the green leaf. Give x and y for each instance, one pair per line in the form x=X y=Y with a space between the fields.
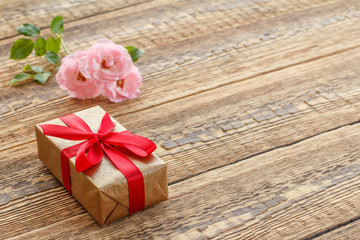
x=27 y=68
x=28 y=29
x=21 y=48
x=57 y=25
x=53 y=45
x=20 y=77
x=35 y=69
x=52 y=57
x=134 y=52
x=42 y=77
x=40 y=47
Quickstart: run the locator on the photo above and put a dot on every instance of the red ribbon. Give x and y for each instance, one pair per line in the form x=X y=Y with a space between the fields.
x=90 y=152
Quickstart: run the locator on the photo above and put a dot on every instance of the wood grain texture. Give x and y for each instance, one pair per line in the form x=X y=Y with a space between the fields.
x=191 y=77
x=226 y=137
x=226 y=122
x=40 y=12
x=256 y=94
x=288 y=193
x=188 y=20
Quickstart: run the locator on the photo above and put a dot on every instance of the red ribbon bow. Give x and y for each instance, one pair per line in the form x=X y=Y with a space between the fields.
x=90 y=152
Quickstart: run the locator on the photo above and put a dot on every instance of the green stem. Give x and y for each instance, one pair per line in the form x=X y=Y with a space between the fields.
x=64 y=46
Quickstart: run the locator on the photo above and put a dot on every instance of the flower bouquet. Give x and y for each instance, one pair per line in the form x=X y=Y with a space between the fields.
x=104 y=69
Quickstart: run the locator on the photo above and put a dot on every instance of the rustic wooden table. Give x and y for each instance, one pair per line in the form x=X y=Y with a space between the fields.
x=254 y=105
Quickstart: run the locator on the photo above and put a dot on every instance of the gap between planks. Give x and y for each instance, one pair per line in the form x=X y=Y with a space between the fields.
x=266 y=151
x=329 y=231
x=347 y=231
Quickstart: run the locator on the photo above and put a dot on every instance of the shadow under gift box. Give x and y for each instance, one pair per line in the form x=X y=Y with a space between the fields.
x=102 y=189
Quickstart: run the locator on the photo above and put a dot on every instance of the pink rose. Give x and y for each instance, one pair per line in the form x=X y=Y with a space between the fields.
x=106 y=62
x=70 y=78
x=127 y=88
x=105 y=68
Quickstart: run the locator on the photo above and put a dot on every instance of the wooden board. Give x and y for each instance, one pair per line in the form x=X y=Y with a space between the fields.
x=232 y=135
x=290 y=192
x=165 y=88
x=40 y=13
x=225 y=84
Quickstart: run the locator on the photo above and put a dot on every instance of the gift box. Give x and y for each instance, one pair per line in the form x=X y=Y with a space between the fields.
x=110 y=171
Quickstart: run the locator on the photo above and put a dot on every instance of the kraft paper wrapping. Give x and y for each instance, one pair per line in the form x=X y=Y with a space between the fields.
x=102 y=189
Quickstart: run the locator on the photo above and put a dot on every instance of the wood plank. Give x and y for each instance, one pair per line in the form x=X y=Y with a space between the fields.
x=24 y=106
x=182 y=21
x=238 y=117
x=40 y=12
x=231 y=111
x=241 y=108
x=291 y=192
x=350 y=231
x=226 y=125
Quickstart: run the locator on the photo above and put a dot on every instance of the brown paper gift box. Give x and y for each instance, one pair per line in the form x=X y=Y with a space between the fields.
x=102 y=189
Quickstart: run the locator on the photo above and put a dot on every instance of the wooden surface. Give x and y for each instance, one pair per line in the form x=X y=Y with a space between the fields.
x=254 y=105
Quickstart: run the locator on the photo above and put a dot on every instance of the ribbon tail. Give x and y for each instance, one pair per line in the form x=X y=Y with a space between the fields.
x=66 y=154
x=133 y=176
x=138 y=145
x=93 y=157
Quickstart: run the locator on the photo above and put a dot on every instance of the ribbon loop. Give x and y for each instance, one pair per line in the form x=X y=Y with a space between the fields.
x=106 y=125
x=90 y=152
x=75 y=122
